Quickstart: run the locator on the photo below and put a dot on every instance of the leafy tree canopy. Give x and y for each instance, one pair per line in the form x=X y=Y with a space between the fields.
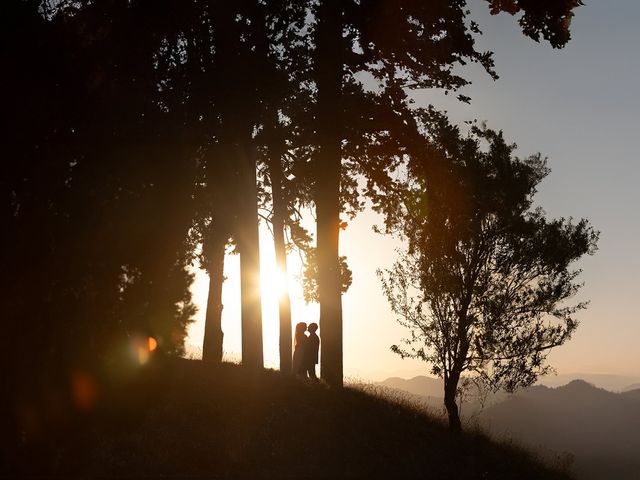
x=483 y=283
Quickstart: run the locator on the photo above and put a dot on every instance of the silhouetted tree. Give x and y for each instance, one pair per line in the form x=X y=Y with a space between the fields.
x=282 y=51
x=118 y=110
x=213 y=230
x=100 y=187
x=416 y=43
x=246 y=39
x=482 y=285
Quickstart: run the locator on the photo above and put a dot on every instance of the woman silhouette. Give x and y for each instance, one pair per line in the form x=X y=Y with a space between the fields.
x=298 y=366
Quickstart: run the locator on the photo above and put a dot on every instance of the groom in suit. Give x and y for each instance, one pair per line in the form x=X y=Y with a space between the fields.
x=311 y=351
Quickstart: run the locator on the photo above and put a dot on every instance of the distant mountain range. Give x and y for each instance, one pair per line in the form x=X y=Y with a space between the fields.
x=594 y=430
x=433 y=387
x=613 y=383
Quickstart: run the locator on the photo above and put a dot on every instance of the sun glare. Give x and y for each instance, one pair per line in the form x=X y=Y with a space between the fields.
x=273 y=283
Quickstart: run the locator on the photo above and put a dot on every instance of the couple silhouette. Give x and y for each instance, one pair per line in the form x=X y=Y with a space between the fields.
x=305 y=353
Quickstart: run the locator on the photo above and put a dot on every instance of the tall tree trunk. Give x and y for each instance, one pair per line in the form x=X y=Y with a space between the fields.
x=237 y=107
x=452 y=377
x=213 y=335
x=248 y=239
x=278 y=221
x=277 y=149
x=450 y=388
x=328 y=65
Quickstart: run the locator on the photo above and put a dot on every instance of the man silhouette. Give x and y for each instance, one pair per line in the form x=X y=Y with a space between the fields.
x=311 y=351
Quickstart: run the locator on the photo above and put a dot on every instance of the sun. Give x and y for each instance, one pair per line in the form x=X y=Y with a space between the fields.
x=273 y=283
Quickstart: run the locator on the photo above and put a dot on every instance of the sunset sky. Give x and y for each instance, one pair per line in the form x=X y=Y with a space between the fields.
x=579 y=107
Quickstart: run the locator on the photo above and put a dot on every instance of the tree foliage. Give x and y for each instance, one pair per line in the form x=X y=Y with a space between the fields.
x=99 y=183
x=483 y=282
x=310 y=276
x=131 y=127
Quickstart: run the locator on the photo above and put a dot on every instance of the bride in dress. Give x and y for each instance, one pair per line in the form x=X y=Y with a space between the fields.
x=299 y=344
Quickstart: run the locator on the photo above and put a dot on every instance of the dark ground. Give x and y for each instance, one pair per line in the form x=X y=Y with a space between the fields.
x=184 y=419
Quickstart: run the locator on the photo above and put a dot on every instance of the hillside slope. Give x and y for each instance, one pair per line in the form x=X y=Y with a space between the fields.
x=420 y=385
x=601 y=428
x=184 y=419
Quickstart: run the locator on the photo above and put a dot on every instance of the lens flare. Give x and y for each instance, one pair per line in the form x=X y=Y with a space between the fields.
x=142 y=348
x=274 y=283
x=84 y=390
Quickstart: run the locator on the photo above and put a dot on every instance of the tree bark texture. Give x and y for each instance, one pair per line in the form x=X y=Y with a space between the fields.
x=278 y=221
x=247 y=236
x=328 y=64
x=450 y=388
x=213 y=335
x=236 y=94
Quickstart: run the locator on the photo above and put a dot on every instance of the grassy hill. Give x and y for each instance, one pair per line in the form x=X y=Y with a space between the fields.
x=184 y=419
x=420 y=385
